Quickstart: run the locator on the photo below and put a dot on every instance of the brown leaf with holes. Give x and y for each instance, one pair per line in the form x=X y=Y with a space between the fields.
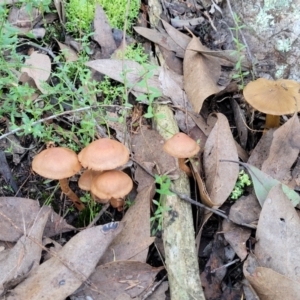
x=278 y=235
x=269 y=284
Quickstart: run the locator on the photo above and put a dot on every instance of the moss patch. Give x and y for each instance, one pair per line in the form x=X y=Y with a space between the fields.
x=80 y=13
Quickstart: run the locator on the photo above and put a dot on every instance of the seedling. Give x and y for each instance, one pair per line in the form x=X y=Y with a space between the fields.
x=239 y=188
x=91 y=210
x=157 y=220
x=240 y=74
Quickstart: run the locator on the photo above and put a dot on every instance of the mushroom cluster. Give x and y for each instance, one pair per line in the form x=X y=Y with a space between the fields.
x=100 y=158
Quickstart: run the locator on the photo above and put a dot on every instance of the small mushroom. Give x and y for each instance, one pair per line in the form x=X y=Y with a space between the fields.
x=181 y=146
x=85 y=180
x=59 y=163
x=112 y=186
x=274 y=98
x=104 y=154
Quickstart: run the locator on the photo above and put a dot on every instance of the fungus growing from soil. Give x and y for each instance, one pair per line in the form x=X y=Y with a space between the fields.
x=182 y=147
x=86 y=178
x=112 y=186
x=103 y=154
x=59 y=163
x=274 y=98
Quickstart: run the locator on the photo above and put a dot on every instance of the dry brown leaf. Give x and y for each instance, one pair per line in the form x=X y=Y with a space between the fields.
x=134 y=72
x=25 y=256
x=103 y=33
x=68 y=52
x=278 y=235
x=284 y=150
x=59 y=5
x=172 y=87
x=60 y=276
x=261 y=150
x=20 y=213
x=22 y=19
x=237 y=237
x=295 y=182
x=201 y=74
x=201 y=123
x=161 y=39
x=240 y=123
x=220 y=176
x=181 y=39
x=268 y=284
x=201 y=185
x=213 y=274
x=147 y=147
x=171 y=60
x=120 y=277
x=245 y=210
x=38 y=67
x=225 y=57
x=135 y=239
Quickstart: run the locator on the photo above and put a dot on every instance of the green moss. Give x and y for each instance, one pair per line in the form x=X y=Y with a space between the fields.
x=80 y=13
x=242 y=182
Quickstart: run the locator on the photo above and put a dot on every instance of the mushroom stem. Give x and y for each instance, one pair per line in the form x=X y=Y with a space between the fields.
x=64 y=185
x=184 y=167
x=117 y=203
x=272 y=121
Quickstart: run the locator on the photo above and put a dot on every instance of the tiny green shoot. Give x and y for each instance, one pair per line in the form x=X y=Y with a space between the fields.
x=156 y=220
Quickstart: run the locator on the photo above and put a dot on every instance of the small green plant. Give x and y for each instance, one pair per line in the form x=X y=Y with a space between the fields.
x=242 y=182
x=91 y=210
x=152 y=93
x=156 y=221
x=239 y=52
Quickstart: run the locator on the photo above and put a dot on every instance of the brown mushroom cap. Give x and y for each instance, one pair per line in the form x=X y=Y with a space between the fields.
x=117 y=203
x=56 y=163
x=111 y=184
x=86 y=178
x=104 y=154
x=277 y=98
x=181 y=145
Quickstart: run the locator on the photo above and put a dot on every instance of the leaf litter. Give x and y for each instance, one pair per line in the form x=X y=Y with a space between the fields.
x=118 y=252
